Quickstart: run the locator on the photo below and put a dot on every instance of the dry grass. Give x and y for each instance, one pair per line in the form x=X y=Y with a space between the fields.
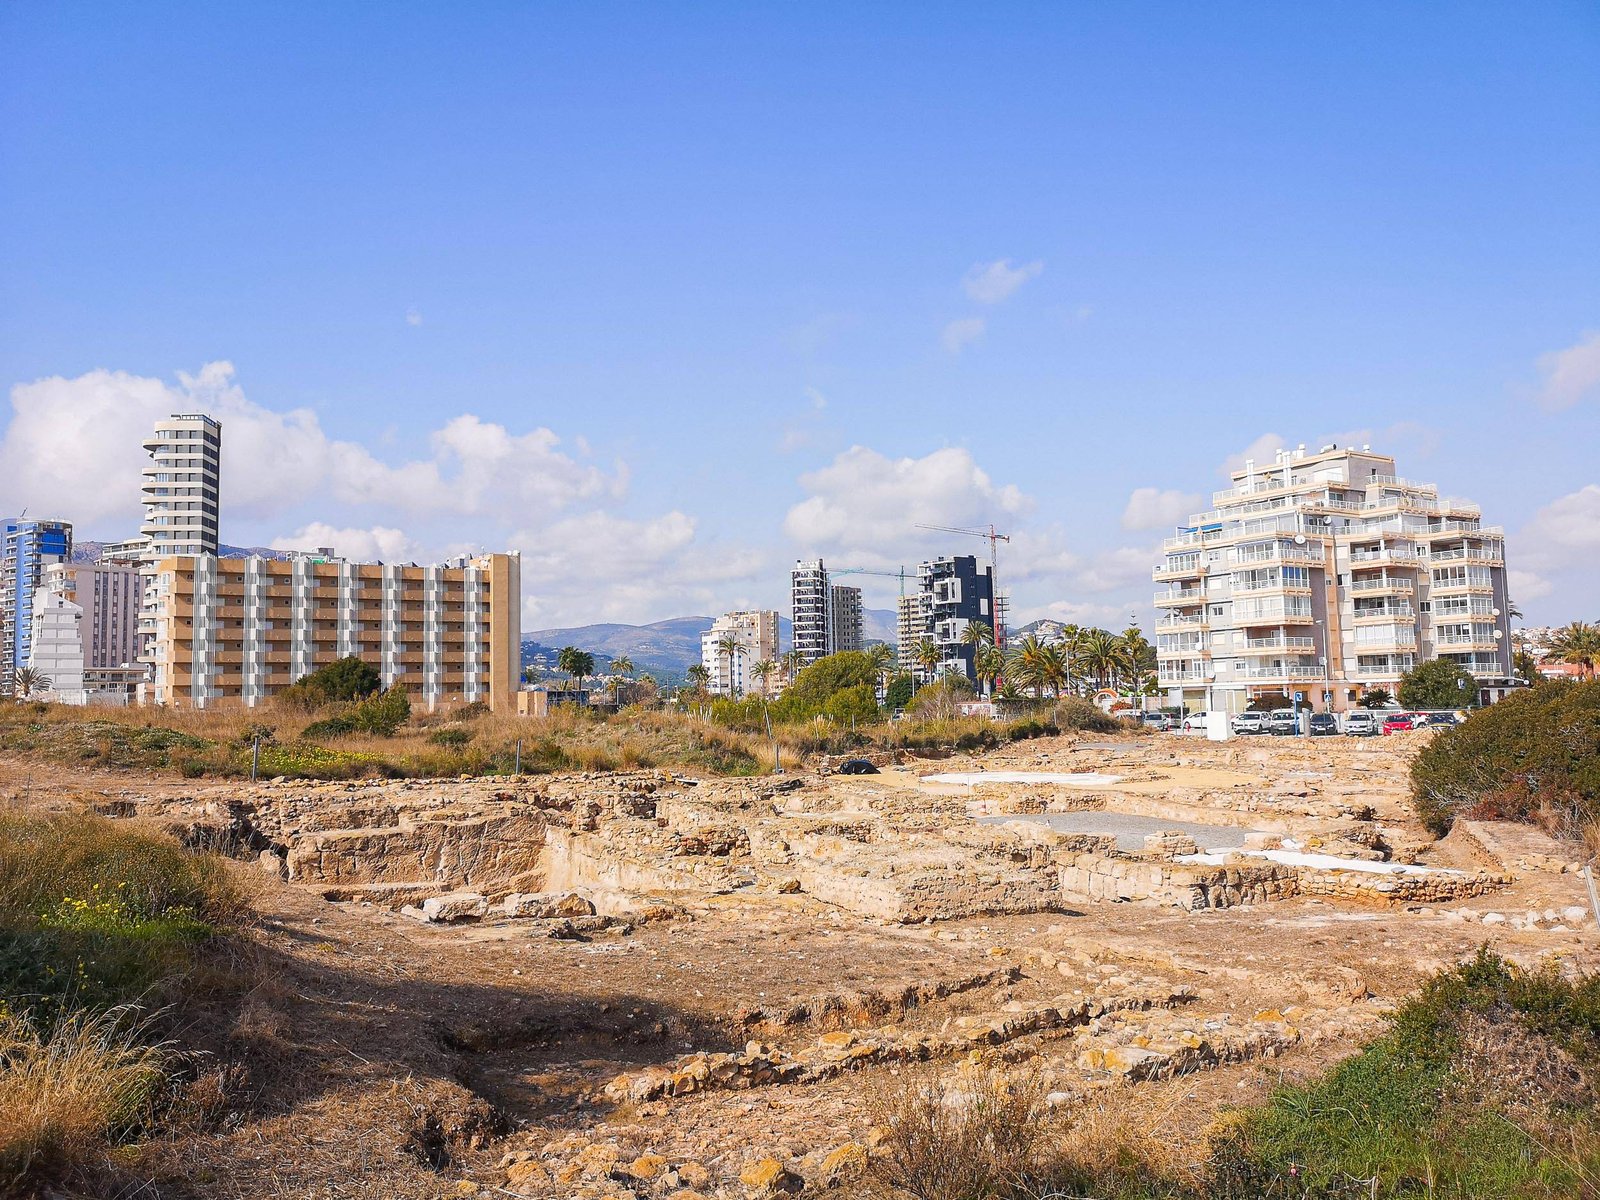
x=66 y=1092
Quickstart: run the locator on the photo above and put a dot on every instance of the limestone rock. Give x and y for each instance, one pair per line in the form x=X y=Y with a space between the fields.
x=455 y=906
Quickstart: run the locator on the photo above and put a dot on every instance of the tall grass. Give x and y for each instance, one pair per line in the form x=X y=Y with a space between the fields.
x=68 y=1090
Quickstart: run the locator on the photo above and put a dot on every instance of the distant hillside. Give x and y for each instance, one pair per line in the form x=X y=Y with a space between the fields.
x=667 y=649
x=87 y=552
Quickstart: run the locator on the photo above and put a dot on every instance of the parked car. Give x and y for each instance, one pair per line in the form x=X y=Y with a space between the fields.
x=1284 y=722
x=1362 y=723
x=1448 y=720
x=858 y=766
x=1324 y=725
x=1195 y=722
x=1399 y=723
x=1155 y=720
x=1249 y=722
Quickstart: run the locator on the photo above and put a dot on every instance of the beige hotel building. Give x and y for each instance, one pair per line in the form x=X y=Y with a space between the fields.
x=1327 y=575
x=235 y=631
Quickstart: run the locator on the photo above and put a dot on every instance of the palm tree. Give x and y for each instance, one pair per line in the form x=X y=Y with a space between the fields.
x=977 y=635
x=1099 y=655
x=927 y=657
x=1578 y=643
x=622 y=665
x=1053 y=668
x=791 y=664
x=882 y=658
x=1026 y=666
x=1138 y=658
x=25 y=681
x=987 y=664
x=763 y=670
x=730 y=647
x=577 y=663
x=700 y=677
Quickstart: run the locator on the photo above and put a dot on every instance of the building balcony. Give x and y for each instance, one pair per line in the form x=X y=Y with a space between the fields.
x=1387 y=612
x=1471 y=554
x=1180 y=597
x=1178 y=678
x=1390 y=556
x=1182 y=621
x=1294 y=645
x=1164 y=572
x=1369 y=587
x=1183 y=652
x=1448 y=528
x=1280 y=672
x=1457 y=586
x=1272 y=585
x=1455 y=645
x=1247 y=620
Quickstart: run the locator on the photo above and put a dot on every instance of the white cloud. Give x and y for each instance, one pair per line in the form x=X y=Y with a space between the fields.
x=961 y=333
x=1571 y=375
x=413 y=317
x=1562 y=534
x=864 y=501
x=378 y=544
x=818 y=400
x=1118 y=570
x=990 y=283
x=1073 y=612
x=1261 y=451
x=1527 y=585
x=1152 y=508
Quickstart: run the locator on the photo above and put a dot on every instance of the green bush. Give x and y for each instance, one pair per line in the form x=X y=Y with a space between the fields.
x=1533 y=756
x=1438 y=683
x=1479 y=1076
x=343 y=681
x=379 y=714
x=452 y=739
x=94 y=914
x=1074 y=712
x=899 y=692
x=808 y=695
x=856 y=705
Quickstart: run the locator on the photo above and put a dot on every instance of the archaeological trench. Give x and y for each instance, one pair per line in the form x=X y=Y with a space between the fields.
x=741 y=964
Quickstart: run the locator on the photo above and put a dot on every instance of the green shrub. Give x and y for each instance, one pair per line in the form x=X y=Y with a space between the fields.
x=1074 y=712
x=856 y=705
x=1533 y=756
x=343 y=681
x=899 y=692
x=381 y=714
x=453 y=739
x=99 y=914
x=1438 y=683
x=815 y=685
x=1458 y=1100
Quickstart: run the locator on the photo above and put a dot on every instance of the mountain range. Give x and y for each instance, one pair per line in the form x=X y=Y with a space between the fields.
x=666 y=649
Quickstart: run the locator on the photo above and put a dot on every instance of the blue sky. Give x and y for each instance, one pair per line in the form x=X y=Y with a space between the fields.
x=668 y=295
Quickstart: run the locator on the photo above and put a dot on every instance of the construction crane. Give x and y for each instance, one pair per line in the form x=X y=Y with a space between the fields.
x=901 y=575
x=994 y=570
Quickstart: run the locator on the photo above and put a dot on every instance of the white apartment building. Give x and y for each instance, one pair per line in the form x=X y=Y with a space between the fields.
x=811 y=610
x=56 y=650
x=180 y=487
x=910 y=627
x=731 y=671
x=1321 y=576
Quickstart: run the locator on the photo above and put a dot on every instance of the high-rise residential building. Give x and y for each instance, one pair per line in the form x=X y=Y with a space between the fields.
x=30 y=546
x=1322 y=576
x=181 y=486
x=910 y=626
x=811 y=611
x=952 y=593
x=235 y=631
x=846 y=629
x=732 y=671
x=109 y=595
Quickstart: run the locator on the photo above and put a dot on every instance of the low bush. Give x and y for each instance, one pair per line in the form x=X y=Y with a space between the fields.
x=381 y=714
x=94 y=914
x=1534 y=756
x=452 y=739
x=1482 y=1089
x=1074 y=712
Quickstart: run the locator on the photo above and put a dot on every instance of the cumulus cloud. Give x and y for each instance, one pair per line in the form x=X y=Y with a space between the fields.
x=378 y=544
x=864 y=500
x=1118 y=570
x=1152 y=508
x=1563 y=533
x=413 y=317
x=1260 y=451
x=992 y=282
x=1527 y=585
x=1569 y=376
x=961 y=333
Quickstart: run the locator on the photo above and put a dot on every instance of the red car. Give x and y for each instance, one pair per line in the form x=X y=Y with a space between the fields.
x=1399 y=723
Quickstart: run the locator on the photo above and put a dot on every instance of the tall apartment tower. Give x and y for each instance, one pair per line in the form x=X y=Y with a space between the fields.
x=732 y=674
x=181 y=486
x=952 y=593
x=1322 y=576
x=30 y=546
x=846 y=627
x=811 y=610
x=911 y=622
